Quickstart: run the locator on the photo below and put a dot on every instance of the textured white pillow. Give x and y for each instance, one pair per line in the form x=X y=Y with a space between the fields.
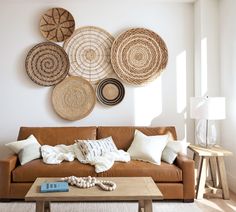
x=168 y=155
x=172 y=149
x=29 y=153
x=94 y=148
x=147 y=148
x=179 y=147
x=17 y=146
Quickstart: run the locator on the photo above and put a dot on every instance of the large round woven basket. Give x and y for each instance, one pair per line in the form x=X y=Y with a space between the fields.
x=74 y=98
x=110 y=91
x=57 y=24
x=89 y=53
x=47 y=64
x=138 y=56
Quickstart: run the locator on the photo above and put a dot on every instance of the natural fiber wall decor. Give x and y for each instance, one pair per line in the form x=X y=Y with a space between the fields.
x=74 y=98
x=138 y=56
x=57 y=24
x=110 y=91
x=89 y=53
x=47 y=64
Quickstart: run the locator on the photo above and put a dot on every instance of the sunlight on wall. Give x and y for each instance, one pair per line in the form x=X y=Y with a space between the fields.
x=181 y=81
x=204 y=67
x=148 y=102
x=181 y=88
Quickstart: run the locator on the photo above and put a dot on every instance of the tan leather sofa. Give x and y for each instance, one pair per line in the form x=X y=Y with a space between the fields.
x=176 y=181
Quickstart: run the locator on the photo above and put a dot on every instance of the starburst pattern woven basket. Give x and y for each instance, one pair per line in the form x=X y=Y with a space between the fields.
x=138 y=56
x=57 y=24
x=89 y=53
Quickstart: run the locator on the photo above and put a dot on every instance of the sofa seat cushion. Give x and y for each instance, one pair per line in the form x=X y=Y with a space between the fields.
x=162 y=173
x=36 y=168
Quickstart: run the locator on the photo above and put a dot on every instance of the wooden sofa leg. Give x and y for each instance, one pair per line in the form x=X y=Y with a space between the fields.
x=188 y=200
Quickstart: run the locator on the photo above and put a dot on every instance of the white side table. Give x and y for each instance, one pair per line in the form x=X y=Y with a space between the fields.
x=212 y=158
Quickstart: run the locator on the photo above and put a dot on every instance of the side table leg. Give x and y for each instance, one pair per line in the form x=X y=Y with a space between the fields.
x=140 y=205
x=40 y=206
x=202 y=177
x=197 y=160
x=213 y=169
x=223 y=178
x=147 y=205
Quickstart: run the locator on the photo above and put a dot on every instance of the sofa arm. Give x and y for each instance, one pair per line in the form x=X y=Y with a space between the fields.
x=6 y=167
x=187 y=167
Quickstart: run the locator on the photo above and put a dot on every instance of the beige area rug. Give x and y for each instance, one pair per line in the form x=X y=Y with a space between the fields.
x=100 y=207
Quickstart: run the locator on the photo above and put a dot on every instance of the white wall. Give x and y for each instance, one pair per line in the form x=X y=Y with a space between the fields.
x=228 y=83
x=163 y=102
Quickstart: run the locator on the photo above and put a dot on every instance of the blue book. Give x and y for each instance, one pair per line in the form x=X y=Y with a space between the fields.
x=54 y=187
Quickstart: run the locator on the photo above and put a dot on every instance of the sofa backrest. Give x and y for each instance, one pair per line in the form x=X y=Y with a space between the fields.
x=57 y=135
x=123 y=136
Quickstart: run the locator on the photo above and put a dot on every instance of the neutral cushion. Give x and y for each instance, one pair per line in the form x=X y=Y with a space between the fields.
x=94 y=148
x=17 y=146
x=168 y=155
x=147 y=148
x=29 y=153
x=163 y=173
x=179 y=147
x=36 y=168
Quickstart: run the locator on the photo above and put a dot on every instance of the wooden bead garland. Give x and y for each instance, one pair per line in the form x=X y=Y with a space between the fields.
x=88 y=182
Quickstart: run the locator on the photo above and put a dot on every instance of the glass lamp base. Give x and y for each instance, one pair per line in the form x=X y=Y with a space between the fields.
x=204 y=138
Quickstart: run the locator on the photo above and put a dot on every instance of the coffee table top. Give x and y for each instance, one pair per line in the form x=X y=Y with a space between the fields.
x=128 y=188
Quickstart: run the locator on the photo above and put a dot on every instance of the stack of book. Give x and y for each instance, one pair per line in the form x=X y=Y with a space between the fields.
x=54 y=187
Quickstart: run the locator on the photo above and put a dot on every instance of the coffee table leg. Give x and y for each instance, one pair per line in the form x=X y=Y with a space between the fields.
x=47 y=206
x=40 y=206
x=147 y=205
x=140 y=205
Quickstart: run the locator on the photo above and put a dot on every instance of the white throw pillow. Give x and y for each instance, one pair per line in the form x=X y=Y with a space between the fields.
x=147 y=148
x=168 y=155
x=29 y=153
x=179 y=147
x=172 y=149
x=94 y=148
x=17 y=146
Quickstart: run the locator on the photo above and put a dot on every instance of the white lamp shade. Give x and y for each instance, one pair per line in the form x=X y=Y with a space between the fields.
x=210 y=108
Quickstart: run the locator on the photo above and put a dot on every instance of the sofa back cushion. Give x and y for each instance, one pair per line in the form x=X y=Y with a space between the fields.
x=58 y=135
x=123 y=136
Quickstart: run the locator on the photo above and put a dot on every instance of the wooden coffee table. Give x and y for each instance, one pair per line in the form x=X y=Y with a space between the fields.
x=141 y=189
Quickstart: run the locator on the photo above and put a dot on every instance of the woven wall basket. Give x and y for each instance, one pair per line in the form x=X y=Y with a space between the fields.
x=74 y=98
x=47 y=64
x=57 y=24
x=138 y=56
x=110 y=91
x=89 y=53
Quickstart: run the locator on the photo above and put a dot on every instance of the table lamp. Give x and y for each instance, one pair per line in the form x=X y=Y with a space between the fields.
x=205 y=109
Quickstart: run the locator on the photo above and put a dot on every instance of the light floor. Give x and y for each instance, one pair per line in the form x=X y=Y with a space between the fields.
x=217 y=204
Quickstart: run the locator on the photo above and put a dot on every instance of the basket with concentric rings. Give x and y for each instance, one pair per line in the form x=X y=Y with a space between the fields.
x=110 y=91
x=138 y=56
x=89 y=52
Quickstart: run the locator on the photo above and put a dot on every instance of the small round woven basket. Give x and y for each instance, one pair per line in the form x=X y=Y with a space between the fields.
x=89 y=51
x=57 y=24
x=138 y=56
x=74 y=98
x=47 y=64
x=110 y=91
